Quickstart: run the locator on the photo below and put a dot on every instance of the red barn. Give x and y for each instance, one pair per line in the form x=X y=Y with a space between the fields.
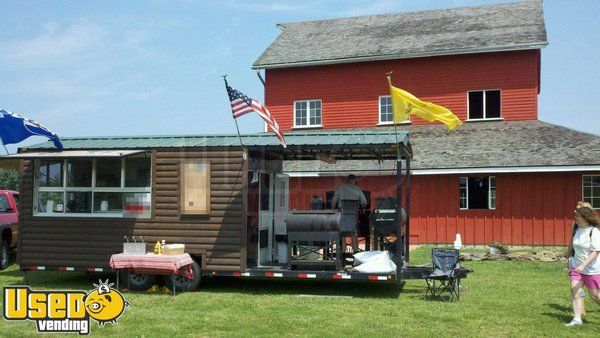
x=502 y=176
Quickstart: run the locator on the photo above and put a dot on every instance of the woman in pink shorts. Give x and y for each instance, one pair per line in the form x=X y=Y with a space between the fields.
x=583 y=259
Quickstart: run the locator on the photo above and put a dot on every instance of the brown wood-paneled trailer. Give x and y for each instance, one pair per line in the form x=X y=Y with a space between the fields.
x=222 y=200
x=87 y=238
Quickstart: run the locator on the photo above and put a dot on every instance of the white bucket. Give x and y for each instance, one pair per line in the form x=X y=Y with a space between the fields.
x=49 y=206
x=457 y=242
x=282 y=252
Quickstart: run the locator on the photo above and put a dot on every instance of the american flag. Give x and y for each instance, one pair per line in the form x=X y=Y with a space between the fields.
x=242 y=105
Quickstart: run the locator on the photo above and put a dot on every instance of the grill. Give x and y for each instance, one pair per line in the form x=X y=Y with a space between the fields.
x=384 y=223
x=316 y=234
x=313 y=220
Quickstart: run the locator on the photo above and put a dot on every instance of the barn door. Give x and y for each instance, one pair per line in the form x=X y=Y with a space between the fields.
x=265 y=219
x=281 y=207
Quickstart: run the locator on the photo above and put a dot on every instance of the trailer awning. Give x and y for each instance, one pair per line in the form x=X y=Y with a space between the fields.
x=301 y=145
x=72 y=153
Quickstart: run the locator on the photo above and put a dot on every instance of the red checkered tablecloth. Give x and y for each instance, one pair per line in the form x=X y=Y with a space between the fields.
x=152 y=262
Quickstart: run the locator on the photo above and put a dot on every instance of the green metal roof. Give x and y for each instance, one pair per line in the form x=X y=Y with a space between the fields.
x=293 y=139
x=355 y=144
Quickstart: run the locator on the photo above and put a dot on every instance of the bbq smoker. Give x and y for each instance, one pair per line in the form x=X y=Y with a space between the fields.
x=316 y=233
x=319 y=233
x=384 y=224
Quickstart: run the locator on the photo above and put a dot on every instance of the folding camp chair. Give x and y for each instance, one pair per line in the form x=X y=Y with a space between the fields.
x=444 y=279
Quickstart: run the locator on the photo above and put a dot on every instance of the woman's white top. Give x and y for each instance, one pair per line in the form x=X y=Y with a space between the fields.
x=583 y=245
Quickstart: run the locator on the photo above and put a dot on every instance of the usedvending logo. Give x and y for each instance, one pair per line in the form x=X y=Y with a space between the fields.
x=64 y=311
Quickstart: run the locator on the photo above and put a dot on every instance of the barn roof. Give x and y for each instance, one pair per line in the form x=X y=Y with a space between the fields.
x=512 y=26
x=481 y=145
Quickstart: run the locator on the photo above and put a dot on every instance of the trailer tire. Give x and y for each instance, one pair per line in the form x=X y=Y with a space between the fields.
x=182 y=283
x=4 y=255
x=139 y=282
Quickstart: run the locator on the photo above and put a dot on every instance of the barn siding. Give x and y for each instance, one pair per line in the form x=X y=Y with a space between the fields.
x=84 y=242
x=349 y=92
x=532 y=208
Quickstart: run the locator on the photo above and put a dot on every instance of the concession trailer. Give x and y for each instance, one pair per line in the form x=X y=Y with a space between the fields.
x=227 y=202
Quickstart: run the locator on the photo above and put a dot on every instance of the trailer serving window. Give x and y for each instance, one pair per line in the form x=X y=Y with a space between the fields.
x=93 y=187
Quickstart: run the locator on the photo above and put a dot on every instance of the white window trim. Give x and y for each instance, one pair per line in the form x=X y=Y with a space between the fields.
x=490 y=119
x=407 y=122
x=469 y=119
x=93 y=189
x=308 y=125
x=388 y=123
x=467 y=189
x=489 y=194
x=582 y=187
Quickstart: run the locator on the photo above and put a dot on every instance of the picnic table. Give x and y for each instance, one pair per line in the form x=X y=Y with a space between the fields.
x=153 y=264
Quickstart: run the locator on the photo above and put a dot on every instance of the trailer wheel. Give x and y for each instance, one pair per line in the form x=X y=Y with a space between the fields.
x=180 y=283
x=4 y=256
x=138 y=282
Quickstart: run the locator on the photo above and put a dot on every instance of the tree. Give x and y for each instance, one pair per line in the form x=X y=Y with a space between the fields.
x=9 y=179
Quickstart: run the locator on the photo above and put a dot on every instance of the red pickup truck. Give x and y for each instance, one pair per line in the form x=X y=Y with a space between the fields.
x=9 y=224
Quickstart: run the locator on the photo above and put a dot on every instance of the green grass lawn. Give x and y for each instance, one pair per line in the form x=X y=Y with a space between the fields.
x=503 y=299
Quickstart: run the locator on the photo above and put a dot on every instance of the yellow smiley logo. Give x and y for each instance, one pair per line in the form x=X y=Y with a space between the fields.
x=105 y=304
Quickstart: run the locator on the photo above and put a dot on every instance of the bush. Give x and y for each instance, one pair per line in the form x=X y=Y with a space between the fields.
x=9 y=179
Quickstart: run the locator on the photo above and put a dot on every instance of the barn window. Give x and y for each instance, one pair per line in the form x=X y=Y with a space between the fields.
x=386 y=115
x=591 y=190
x=484 y=104
x=195 y=187
x=102 y=187
x=477 y=193
x=307 y=113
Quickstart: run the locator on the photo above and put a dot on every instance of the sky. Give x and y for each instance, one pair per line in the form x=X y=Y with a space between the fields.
x=98 y=68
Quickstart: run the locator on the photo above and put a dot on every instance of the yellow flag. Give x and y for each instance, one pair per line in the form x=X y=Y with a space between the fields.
x=405 y=104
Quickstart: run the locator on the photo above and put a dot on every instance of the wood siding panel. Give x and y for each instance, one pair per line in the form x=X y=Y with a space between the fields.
x=89 y=242
x=350 y=92
x=532 y=208
x=527 y=208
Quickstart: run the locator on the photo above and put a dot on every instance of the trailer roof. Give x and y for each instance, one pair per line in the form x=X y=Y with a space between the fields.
x=300 y=144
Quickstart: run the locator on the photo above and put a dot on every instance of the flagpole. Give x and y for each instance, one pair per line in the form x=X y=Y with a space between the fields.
x=4 y=145
x=399 y=246
x=389 y=78
x=237 y=127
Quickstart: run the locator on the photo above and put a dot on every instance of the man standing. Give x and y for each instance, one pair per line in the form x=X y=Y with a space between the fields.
x=349 y=191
